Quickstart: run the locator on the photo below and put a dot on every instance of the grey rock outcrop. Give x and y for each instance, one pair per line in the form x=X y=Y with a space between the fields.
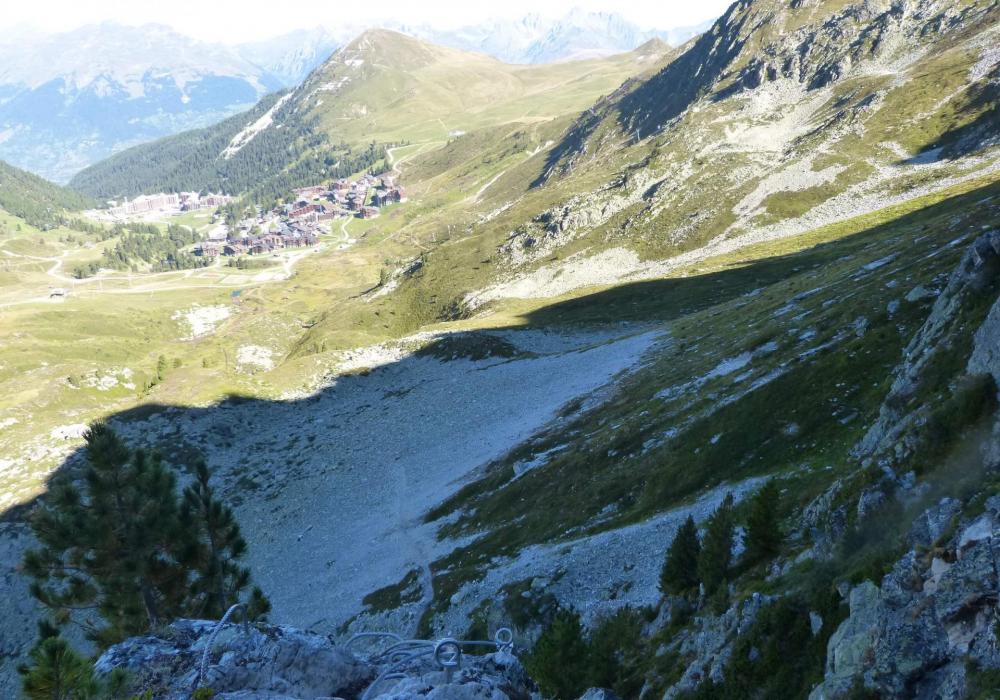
x=599 y=694
x=892 y=435
x=912 y=635
x=497 y=676
x=709 y=644
x=264 y=662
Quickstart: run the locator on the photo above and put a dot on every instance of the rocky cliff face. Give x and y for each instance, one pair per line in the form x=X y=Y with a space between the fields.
x=784 y=117
x=917 y=631
x=812 y=42
x=948 y=331
x=932 y=618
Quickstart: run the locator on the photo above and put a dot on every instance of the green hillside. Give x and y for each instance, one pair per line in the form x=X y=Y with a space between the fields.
x=618 y=291
x=36 y=200
x=384 y=88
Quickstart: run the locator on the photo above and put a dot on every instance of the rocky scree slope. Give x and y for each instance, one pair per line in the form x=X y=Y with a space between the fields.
x=722 y=404
x=925 y=628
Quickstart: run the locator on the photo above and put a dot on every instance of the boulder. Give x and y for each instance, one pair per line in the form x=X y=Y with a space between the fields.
x=497 y=676
x=913 y=635
x=933 y=523
x=599 y=694
x=262 y=661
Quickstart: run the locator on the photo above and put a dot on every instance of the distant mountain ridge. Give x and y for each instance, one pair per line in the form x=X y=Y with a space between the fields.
x=67 y=100
x=382 y=88
x=71 y=99
x=291 y=57
x=537 y=39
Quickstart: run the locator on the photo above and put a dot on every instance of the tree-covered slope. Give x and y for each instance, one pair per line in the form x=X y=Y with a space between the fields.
x=382 y=88
x=35 y=199
x=190 y=160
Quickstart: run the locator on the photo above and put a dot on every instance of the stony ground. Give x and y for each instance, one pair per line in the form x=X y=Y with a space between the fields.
x=333 y=487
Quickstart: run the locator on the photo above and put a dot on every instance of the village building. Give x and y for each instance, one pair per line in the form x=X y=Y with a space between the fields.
x=208 y=249
x=305 y=211
x=332 y=213
x=146 y=203
x=215 y=200
x=309 y=193
x=385 y=196
x=356 y=201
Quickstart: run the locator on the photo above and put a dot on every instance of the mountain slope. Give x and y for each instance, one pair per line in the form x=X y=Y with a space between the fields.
x=755 y=132
x=34 y=199
x=192 y=160
x=71 y=99
x=504 y=396
x=383 y=87
x=388 y=86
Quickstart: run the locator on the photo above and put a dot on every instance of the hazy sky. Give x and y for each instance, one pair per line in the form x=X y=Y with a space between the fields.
x=235 y=21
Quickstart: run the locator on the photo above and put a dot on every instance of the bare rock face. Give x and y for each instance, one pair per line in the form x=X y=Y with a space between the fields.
x=264 y=662
x=892 y=432
x=710 y=643
x=498 y=676
x=913 y=635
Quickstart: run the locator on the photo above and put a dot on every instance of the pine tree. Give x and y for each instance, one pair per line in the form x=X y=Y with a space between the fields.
x=618 y=653
x=680 y=568
x=122 y=547
x=214 y=549
x=55 y=672
x=161 y=368
x=763 y=525
x=109 y=548
x=560 y=661
x=717 y=548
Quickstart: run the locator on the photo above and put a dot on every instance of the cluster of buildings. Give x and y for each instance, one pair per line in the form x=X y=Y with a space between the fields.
x=166 y=203
x=286 y=235
x=297 y=224
x=362 y=197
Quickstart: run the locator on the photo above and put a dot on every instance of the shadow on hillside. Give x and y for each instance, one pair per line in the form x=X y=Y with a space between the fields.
x=642 y=107
x=240 y=428
x=648 y=301
x=967 y=139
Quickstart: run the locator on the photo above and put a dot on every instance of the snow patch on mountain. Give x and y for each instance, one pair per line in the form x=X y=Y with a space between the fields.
x=247 y=135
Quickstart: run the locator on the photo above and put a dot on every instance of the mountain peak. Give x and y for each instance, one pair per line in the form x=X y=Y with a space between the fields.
x=390 y=48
